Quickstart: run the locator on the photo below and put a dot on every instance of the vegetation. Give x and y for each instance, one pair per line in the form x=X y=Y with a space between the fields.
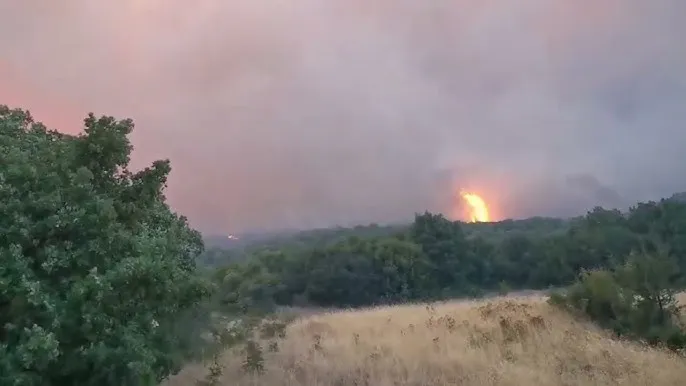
x=637 y=299
x=624 y=268
x=100 y=281
x=434 y=258
x=502 y=341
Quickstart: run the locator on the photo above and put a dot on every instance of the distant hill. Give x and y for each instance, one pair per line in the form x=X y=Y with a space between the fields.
x=678 y=197
x=324 y=236
x=310 y=237
x=534 y=226
x=224 y=248
x=222 y=242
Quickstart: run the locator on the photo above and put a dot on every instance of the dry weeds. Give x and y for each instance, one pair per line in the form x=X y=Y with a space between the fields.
x=513 y=341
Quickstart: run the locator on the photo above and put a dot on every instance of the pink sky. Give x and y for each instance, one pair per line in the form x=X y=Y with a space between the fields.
x=283 y=114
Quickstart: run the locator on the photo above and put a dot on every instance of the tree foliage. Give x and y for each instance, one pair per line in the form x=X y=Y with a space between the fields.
x=96 y=270
x=636 y=299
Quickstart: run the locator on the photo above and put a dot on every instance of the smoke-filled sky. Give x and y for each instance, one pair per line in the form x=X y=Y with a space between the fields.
x=308 y=113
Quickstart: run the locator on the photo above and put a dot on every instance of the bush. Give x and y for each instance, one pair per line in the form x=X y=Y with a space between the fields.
x=636 y=299
x=504 y=288
x=98 y=284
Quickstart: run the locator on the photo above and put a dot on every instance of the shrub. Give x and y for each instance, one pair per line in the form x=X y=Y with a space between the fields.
x=636 y=299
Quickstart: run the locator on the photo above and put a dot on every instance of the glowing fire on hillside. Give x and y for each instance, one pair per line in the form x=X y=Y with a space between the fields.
x=478 y=210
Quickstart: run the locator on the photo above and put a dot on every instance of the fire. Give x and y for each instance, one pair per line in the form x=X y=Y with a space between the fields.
x=478 y=208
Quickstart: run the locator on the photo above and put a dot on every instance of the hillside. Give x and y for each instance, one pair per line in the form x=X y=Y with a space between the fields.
x=504 y=341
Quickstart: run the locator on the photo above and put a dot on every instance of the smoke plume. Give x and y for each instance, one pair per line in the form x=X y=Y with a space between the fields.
x=280 y=114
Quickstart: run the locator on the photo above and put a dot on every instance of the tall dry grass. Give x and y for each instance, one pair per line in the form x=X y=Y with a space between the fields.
x=504 y=341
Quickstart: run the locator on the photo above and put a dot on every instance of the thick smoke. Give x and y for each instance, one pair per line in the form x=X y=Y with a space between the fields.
x=306 y=113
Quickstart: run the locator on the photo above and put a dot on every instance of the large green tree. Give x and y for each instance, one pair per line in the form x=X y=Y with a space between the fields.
x=96 y=271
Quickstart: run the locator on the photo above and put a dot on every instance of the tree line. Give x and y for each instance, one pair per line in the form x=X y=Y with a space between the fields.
x=435 y=258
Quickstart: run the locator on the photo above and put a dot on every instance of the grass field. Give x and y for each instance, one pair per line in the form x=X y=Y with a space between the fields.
x=513 y=341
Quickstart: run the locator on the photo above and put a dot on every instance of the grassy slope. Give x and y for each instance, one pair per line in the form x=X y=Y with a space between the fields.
x=504 y=341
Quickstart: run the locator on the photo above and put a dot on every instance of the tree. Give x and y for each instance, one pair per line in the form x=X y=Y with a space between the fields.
x=97 y=272
x=446 y=247
x=636 y=299
x=650 y=281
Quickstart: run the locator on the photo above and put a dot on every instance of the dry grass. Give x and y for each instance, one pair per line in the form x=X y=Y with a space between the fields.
x=504 y=341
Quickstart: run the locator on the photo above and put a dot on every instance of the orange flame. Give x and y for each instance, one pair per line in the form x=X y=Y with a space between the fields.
x=478 y=209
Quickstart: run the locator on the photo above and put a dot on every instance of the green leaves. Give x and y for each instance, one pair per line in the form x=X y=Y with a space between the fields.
x=636 y=299
x=96 y=270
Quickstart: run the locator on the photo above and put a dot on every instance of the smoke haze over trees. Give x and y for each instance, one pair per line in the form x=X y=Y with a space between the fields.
x=279 y=114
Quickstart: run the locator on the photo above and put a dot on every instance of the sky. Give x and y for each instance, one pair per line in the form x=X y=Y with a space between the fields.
x=298 y=114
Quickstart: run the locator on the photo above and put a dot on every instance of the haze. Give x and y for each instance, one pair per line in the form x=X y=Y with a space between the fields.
x=296 y=114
